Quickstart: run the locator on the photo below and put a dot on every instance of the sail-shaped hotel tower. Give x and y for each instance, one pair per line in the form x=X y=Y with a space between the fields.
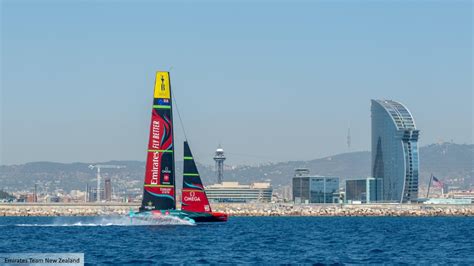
x=394 y=151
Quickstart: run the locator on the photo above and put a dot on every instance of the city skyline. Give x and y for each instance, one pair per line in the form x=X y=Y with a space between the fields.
x=236 y=132
x=257 y=85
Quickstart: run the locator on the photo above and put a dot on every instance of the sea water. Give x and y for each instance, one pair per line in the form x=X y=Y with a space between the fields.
x=414 y=240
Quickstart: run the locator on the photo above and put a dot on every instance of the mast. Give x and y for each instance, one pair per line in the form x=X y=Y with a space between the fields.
x=159 y=186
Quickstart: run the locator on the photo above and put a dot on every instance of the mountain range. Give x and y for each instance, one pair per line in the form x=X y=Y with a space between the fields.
x=450 y=162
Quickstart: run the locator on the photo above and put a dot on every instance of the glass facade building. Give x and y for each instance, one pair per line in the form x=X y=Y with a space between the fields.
x=314 y=189
x=362 y=190
x=394 y=151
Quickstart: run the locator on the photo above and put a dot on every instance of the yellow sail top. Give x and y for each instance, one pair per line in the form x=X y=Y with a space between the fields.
x=162 y=85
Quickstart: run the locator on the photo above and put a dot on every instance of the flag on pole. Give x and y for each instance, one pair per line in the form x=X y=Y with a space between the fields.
x=437 y=183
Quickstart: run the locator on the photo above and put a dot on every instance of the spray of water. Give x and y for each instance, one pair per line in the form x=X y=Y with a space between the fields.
x=116 y=221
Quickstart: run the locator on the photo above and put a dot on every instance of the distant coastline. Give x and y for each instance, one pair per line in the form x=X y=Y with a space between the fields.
x=117 y=209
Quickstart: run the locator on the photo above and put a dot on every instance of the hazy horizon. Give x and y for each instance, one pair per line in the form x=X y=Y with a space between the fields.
x=198 y=160
x=268 y=81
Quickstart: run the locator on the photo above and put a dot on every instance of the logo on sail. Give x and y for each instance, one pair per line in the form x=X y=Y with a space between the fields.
x=162 y=85
x=163 y=101
x=192 y=197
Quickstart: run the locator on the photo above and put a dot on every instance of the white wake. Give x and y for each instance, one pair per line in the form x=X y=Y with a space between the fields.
x=116 y=221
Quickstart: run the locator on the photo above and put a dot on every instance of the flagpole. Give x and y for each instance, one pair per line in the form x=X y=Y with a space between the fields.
x=429 y=185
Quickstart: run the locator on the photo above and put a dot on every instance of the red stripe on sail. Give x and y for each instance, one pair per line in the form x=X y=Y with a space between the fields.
x=160 y=141
x=160 y=132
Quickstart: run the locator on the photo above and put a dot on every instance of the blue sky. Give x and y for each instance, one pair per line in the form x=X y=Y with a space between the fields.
x=270 y=81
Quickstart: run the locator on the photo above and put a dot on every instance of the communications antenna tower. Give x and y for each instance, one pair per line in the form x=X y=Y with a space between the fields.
x=349 y=139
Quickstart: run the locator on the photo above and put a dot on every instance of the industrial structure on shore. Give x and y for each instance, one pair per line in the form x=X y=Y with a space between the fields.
x=99 y=193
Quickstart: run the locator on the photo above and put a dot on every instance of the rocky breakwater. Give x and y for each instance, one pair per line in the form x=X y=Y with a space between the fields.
x=108 y=209
x=59 y=209
x=345 y=210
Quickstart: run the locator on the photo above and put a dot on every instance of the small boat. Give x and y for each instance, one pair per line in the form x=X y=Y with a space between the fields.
x=159 y=190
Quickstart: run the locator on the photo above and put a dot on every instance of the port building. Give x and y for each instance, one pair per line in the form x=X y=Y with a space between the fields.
x=394 y=151
x=233 y=192
x=309 y=188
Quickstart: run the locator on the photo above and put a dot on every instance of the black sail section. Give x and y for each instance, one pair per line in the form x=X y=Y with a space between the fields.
x=190 y=171
x=194 y=197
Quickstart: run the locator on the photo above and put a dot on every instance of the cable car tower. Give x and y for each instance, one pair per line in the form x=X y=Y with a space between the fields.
x=219 y=157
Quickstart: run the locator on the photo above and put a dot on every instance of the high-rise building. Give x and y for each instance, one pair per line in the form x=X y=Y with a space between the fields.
x=394 y=151
x=108 y=189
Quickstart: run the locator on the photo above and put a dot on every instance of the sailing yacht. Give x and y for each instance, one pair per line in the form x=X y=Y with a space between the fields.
x=159 y=190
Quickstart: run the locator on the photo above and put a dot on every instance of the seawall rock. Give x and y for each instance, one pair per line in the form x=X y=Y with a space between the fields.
x=269 y=209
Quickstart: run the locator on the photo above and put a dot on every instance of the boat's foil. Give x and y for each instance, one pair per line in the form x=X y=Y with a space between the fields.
x=190 y=217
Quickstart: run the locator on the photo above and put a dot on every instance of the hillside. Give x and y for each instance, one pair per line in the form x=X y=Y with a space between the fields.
x=450 y=162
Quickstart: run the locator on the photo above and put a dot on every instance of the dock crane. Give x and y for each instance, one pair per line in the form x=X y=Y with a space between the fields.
x=98 y=167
